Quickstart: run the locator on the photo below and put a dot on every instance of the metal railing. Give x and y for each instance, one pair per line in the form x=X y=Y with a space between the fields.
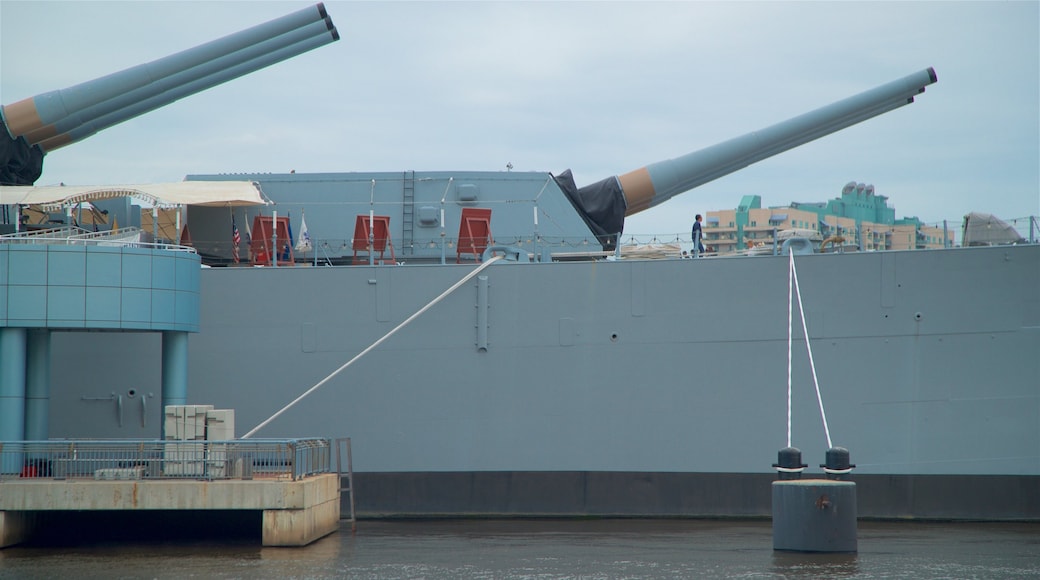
x=131 y=237
x=122 y=459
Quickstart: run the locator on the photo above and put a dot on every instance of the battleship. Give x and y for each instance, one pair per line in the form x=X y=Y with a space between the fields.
x=518 y=362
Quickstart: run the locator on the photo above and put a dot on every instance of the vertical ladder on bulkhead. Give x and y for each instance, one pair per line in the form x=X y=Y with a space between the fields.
x=340 y=443
x=408 y=213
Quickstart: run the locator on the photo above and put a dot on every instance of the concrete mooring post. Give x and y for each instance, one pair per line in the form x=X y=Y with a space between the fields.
x=815 y=515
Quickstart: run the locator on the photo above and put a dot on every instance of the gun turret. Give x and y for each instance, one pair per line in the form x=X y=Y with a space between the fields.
x=40 y=124
x=605 y=204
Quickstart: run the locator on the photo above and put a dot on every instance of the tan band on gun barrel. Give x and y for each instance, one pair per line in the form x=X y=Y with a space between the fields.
x=40 y=134
x=55 y=142
x=638 y=189
x=22 y=117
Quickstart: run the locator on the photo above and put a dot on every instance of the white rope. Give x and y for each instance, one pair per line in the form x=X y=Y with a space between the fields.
x=790 y=297
x=808 y=347
x=444 y=294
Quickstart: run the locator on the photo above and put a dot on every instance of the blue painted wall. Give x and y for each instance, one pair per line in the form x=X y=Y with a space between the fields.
x=98 y=287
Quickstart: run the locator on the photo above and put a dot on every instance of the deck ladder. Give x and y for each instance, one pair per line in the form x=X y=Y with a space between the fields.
x=408 y=214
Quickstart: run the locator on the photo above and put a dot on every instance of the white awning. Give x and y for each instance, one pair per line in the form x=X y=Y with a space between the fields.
x=984 y=229
x=208 y=193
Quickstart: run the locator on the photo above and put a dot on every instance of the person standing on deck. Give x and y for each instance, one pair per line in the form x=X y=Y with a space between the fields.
x=698 y=236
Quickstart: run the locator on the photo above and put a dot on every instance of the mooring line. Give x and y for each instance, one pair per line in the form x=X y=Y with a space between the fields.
x=812 y=363
x=444 y=294
x=790 y=298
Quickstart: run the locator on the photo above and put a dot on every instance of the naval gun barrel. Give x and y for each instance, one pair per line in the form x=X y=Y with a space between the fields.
x=606 y=203
x=40 y=124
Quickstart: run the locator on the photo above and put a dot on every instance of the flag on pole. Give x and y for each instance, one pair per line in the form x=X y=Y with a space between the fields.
x=249 y=238
x=236 y=239
x=304 y=245
x=287 y=248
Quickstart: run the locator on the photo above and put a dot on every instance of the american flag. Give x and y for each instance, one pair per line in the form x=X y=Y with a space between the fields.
x=236 y=239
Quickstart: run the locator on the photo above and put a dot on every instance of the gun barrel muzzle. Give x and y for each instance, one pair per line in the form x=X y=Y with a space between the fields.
x=656 y=183
x=57 y=118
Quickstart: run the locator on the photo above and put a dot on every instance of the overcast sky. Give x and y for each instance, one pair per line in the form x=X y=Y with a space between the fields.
x=600 y=88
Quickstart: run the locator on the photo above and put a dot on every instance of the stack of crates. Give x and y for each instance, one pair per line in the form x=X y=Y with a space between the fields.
x=220 y=426
x=196 y=424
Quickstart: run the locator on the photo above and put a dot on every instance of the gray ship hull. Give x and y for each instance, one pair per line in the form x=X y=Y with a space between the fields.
x=635 y=387
x=628 y=387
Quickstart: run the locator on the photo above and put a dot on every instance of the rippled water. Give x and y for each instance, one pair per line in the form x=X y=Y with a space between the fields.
x=587 y=549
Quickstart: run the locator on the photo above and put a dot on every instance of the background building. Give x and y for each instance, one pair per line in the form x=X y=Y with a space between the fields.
x=859 y=218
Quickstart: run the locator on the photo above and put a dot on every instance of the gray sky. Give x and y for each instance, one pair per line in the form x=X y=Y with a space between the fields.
x=600 y=88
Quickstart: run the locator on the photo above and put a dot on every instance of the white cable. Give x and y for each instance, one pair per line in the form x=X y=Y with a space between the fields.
x=454 y=287
x=808 y=347
x=790 y=297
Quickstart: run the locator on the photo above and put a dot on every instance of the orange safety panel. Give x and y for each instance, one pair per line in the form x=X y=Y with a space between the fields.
x=380 y=237
x=474 y=232
x=260 y=244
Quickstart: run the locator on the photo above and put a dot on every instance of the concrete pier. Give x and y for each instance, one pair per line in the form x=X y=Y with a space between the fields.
x=295 y=513
x=814 y=515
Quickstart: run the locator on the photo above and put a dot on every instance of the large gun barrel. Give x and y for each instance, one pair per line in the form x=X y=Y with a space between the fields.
x=40 y=124
x=606 y=203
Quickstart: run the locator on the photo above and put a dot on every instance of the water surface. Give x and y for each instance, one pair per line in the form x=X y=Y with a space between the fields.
x=543 y=549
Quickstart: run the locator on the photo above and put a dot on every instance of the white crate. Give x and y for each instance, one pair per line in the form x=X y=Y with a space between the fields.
x=184 y=459
x=220 y=424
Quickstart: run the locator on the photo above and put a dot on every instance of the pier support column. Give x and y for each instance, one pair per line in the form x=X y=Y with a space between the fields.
x=16 y=527
x=174 y=369
x=37 y=385
x=299 y=524
x=302 y=526
x=12 y=393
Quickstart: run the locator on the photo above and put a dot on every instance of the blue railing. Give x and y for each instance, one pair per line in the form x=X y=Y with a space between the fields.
x=291 y=459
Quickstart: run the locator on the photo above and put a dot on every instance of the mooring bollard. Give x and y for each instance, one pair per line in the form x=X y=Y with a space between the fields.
x=789 y=463
x=814 y=515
